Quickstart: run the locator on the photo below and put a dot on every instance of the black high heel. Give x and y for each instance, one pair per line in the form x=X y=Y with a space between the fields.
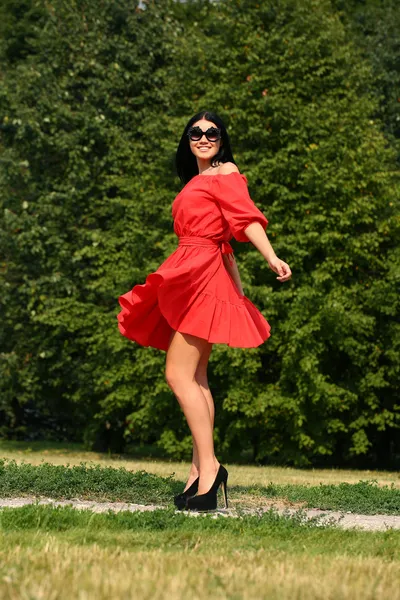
x=208 y=501
x=180 y=499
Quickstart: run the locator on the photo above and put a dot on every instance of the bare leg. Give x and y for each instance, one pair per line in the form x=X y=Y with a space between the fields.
x=201 y=378
x=183 y=358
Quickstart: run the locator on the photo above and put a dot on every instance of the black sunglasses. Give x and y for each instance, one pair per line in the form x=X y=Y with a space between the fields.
x=212 y=134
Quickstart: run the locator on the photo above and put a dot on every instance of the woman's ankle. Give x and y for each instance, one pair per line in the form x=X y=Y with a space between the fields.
x=194 y=471
x=209 y=467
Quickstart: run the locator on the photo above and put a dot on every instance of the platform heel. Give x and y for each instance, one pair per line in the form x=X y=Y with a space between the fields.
x=208 y=501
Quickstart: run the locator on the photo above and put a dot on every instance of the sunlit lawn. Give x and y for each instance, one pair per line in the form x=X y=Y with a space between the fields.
x=61 y=553
x=65 y=553
x=245 y=475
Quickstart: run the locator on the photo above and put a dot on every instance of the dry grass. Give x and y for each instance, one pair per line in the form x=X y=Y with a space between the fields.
x=62 y=571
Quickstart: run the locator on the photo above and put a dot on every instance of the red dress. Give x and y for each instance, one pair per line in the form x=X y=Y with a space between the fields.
x=192 y=291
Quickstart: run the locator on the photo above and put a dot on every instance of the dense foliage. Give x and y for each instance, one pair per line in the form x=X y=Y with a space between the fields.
x=374 y=25
x=93 y=101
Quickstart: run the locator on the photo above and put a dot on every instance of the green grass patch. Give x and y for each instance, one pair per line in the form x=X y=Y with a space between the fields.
x=364 y=497
x=88 y=482
x=95 y=482
x=167 y=530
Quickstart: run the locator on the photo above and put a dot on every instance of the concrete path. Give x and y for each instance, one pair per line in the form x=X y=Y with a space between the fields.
x=346 y=520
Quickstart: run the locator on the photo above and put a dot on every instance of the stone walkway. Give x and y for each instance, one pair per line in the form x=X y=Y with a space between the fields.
x=346 y=520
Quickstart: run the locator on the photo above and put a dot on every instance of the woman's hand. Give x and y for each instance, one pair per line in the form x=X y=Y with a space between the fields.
x=256 y=234
x=281 y=268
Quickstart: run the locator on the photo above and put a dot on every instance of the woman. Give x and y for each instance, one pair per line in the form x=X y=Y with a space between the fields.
x=195 y=298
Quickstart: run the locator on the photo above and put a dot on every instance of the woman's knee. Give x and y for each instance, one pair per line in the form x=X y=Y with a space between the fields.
x=172 y=377
x=201 y=370
x=202 y=379
x=183 y=357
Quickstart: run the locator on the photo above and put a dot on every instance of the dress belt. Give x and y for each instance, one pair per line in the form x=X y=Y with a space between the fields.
x=195 y=240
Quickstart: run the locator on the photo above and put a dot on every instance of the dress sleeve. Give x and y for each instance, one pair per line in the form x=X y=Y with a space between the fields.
x=232 y=196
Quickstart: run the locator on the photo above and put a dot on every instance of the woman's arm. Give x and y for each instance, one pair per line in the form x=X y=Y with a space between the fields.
x=256 y=234
x=231 y=267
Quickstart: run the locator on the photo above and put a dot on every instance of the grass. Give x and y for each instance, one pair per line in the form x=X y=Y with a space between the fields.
x=245 y=475
x=166 y=530
x=59 y=553
x=94 y=482
x=96 y=571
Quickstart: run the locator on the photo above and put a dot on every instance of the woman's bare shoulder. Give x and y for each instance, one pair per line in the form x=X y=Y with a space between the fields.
x=228 y=167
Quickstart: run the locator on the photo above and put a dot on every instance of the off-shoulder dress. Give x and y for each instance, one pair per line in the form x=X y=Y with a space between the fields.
x=192 y=291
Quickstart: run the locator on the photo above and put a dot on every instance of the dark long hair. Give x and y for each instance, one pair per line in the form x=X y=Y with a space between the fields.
x=185 y=160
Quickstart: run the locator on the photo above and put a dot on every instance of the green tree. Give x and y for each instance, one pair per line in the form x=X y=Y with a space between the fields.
x=94 y=98
x=302 y=118
x=84 y=204
x=374 y=25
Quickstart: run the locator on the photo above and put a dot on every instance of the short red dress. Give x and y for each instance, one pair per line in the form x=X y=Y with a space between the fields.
x=192 y=291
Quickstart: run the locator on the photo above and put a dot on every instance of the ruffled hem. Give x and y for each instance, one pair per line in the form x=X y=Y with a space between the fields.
x=148 y=318
x=191 y=292
x=219 y=321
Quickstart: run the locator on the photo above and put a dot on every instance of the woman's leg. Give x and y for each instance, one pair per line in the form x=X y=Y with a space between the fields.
x=183 y=359
x=202 y=380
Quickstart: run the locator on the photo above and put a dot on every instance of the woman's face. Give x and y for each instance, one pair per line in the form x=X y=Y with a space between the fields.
x=203 y=149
